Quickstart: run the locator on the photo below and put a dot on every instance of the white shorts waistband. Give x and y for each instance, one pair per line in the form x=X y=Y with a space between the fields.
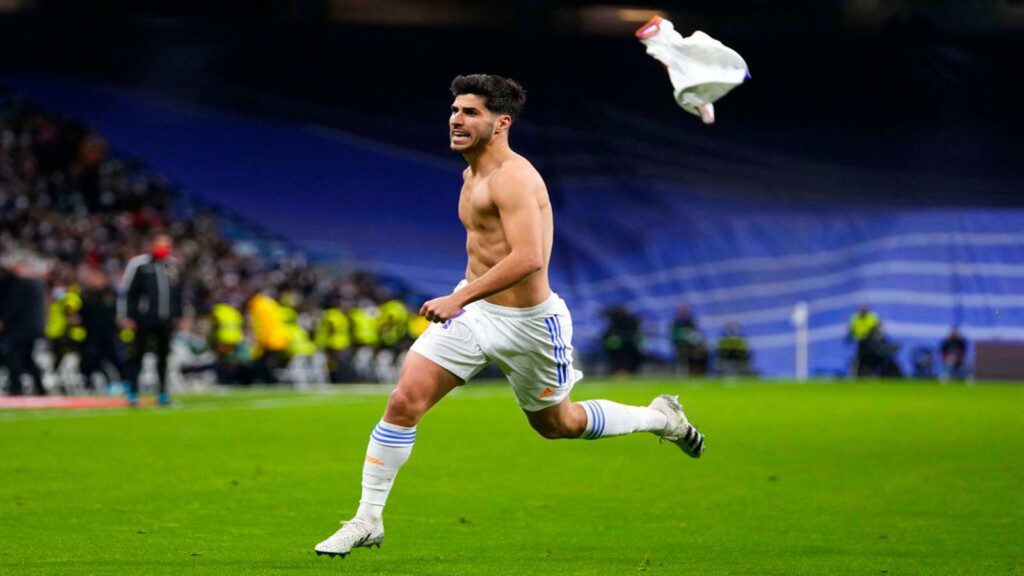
x=549 y=305
x=545 y=308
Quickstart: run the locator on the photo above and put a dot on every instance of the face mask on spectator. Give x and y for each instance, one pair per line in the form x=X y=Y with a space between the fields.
x=161 y=252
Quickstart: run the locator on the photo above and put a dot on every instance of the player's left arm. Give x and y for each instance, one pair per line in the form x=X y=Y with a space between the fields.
x=521 y=221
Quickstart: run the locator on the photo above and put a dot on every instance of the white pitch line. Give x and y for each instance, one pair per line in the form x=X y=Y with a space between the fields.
x=259 y=404
x=344 y=396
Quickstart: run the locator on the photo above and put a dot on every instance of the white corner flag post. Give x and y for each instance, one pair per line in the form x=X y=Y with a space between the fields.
x=800 y=317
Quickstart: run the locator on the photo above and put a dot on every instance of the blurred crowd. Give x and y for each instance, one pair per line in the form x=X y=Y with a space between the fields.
x=73 y=215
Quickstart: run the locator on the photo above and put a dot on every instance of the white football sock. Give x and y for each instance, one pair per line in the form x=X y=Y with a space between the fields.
x=606 y=418
x=390 y=446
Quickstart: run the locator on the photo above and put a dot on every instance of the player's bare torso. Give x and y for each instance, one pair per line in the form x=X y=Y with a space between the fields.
x=486 y=244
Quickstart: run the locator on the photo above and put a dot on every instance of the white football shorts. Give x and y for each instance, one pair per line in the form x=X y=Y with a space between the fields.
x=532 y=346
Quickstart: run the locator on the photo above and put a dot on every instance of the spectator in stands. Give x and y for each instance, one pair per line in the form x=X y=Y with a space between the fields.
x=691 y=348
x=953 y=352
x=100 y=350
x=733 y=356
x=22 y=311
x=862 y=323
x=150 y=304
x=622 y=341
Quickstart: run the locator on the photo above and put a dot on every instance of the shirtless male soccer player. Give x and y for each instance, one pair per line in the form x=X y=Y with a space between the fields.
x=503 y=312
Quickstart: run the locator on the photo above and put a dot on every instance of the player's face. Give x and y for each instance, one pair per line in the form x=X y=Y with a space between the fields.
x=471 y=124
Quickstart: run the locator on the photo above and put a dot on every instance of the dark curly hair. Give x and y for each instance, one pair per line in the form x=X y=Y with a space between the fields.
x=500 y=94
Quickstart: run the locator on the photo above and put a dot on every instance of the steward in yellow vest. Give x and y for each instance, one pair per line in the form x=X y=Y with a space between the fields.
x=364 y=326
x=393 y=323
x=228 y=330
x=334 y=336
x=333 y=331
x=733 y=354
x=300 y=343
x=63 y=324
x=862 y=323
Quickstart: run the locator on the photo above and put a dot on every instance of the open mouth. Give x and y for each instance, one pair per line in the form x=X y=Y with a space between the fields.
x=459 y=137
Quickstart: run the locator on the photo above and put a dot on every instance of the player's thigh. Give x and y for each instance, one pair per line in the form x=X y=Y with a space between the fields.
x=536 y=356
x=421 y=384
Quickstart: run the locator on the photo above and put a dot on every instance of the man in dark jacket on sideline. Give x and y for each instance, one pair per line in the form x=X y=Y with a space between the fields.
x=149 y=303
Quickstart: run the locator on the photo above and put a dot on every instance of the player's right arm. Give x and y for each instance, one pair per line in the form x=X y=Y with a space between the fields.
x=512 y=193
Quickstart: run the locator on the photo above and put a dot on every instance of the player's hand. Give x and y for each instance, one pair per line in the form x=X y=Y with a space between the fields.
x=441 y=309
x=127 y=324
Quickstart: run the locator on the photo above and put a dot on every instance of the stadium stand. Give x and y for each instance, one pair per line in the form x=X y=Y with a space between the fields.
x=739 y=234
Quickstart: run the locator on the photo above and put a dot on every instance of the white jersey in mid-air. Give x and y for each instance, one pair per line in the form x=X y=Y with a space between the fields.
x=701 y=69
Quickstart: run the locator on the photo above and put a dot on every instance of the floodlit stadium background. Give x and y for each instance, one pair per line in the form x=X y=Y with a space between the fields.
x=872 y=158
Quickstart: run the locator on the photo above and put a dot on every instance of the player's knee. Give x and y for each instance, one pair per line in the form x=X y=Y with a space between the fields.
x=405 y=406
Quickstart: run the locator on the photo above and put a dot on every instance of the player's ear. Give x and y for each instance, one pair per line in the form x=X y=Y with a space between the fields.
x=503 y=124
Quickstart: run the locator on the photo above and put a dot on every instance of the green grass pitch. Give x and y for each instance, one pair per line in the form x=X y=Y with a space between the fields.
x=797 y=479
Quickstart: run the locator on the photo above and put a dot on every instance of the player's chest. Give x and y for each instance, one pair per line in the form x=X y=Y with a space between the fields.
x=476 y=209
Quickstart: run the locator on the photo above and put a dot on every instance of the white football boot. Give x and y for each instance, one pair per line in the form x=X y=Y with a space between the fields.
x=355 y=533
x=679 y=430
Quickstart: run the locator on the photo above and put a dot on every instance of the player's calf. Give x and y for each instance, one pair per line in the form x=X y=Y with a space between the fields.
x=593 y=419
x=554 y=430
x=563 y=420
